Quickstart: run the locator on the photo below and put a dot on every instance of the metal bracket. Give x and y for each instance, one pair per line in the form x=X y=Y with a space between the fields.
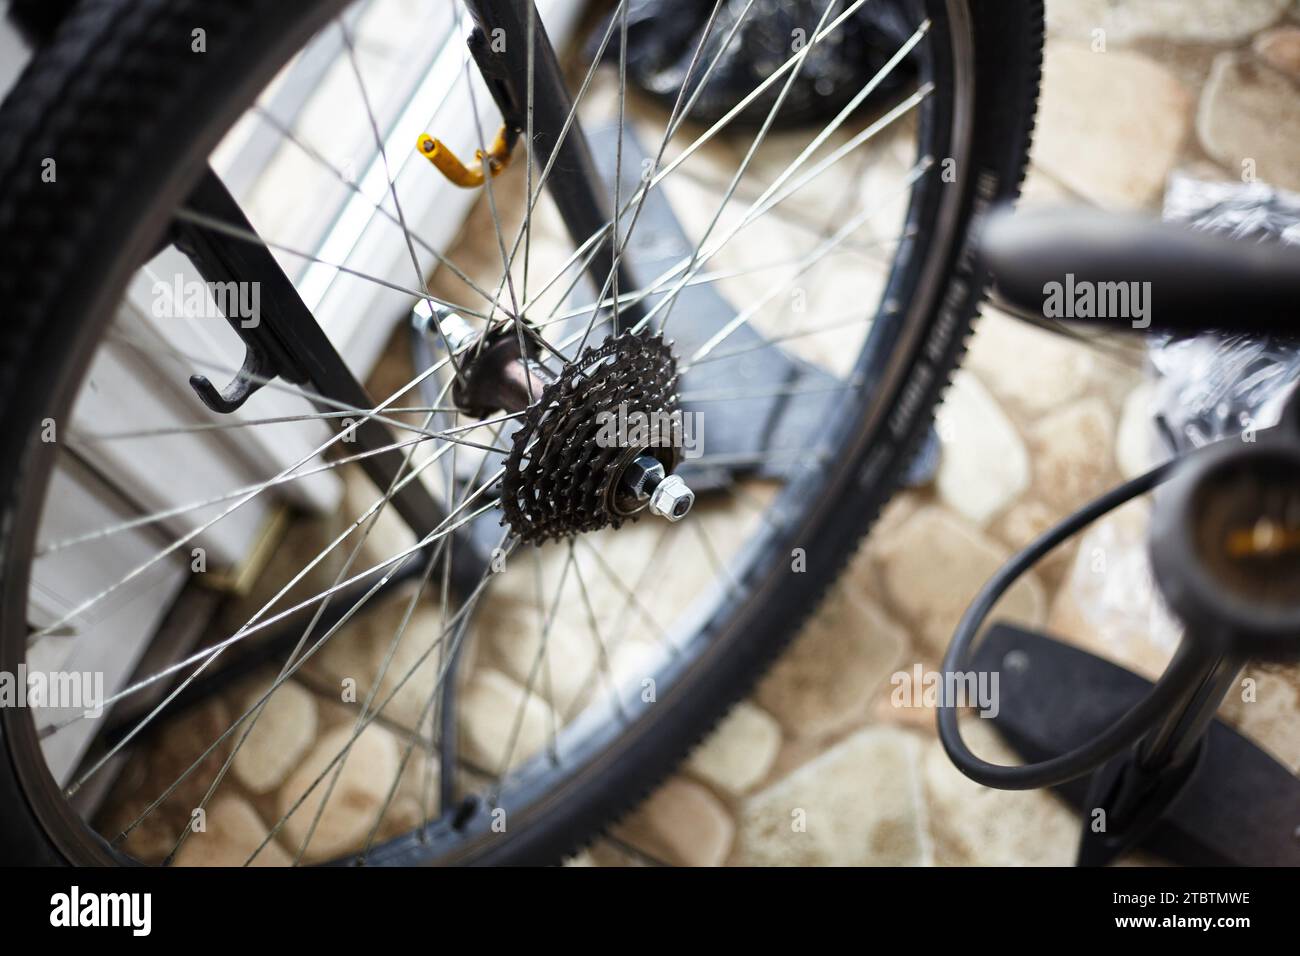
x=266 y=356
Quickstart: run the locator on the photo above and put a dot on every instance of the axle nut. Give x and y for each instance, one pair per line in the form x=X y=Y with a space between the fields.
x=672 y=499
x=642 y=476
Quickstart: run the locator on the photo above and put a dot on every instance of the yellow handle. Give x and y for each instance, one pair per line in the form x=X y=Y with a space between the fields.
x=449 y=164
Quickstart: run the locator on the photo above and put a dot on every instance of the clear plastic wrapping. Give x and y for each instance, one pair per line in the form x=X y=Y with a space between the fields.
x=1211 y=386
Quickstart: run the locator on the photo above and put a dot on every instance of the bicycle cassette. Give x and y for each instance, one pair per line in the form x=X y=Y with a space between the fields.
x=562 y=475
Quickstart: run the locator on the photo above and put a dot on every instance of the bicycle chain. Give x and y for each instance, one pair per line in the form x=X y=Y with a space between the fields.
x=558 y=477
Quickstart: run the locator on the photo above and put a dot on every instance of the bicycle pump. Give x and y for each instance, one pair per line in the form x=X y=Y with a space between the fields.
x=1148 y=765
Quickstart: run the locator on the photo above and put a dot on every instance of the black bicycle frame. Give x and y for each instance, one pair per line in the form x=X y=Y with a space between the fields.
x=574 y=184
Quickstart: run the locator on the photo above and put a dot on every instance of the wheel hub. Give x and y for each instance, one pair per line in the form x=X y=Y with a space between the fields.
x=597 y=442
x=571 y=467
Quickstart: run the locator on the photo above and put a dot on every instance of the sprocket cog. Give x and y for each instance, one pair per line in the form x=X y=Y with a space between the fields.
x=560 y=480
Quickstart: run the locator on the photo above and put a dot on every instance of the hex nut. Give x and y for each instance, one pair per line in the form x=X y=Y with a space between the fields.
x=672 y=499
x=642 y=472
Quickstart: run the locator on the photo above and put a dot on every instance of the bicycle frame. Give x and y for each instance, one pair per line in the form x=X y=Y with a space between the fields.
x=545 y=114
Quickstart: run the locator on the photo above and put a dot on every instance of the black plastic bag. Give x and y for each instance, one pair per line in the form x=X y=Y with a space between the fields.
x=663 y=35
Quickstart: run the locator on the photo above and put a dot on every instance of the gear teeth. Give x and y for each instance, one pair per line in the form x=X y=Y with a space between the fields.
x=563 y=490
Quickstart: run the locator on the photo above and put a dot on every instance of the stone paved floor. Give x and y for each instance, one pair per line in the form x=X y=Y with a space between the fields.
x=1033 y=426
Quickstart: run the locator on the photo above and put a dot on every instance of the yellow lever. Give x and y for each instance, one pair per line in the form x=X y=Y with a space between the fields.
x=449 y=164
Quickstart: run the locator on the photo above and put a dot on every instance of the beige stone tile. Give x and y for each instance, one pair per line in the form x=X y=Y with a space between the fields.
x=740 y=752
x=934 y=563
x=681 y=823
x=498 y=718
x=973 y=825
x=1072 y=452
x=283 y=732
x=828 y=679
x=370 y=647
x=1248 y=120
x=1110 y=125
x=1223 y=21
x=358 y=793
x=1030 y=371
x=178 y=745
x=1280 y=49
x=512 y=632
x=857 y=804
x=607 y=853
x=1023 y=523
x=984 y=466
x=234 y=831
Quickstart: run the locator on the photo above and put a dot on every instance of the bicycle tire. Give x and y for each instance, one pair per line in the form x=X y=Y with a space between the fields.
x=131 y=114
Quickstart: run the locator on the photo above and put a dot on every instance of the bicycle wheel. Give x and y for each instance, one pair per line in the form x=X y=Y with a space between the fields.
x=132 y=111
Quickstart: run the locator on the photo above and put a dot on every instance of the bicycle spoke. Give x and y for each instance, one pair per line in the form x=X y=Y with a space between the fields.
x=747 y=394
x=260 y=623
x=357 y=410
x=812 y=260
x=315 y=155
x=189 y=536
x=617 y=581
x=618 y=160
x=739 y=174
x=387 y=661
x=310 y=629
x=807 y=152
x=855 y=318
x=713 y=555
x=658 y=554
x=674 y=121
x=507 y=259
x=251 y=719
x=90 y=438
x=445 y=547
x=602 y=650
x=260 y=702
x=772 y=199
x=507 y=545
x=548 y=687
x=678 y=116
x=740 y=107
x=518 y=724
x=530 y=97
x=531 y=200
x=235 y=232
x=178 y=510
x=392 y=191
x=700 y=278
